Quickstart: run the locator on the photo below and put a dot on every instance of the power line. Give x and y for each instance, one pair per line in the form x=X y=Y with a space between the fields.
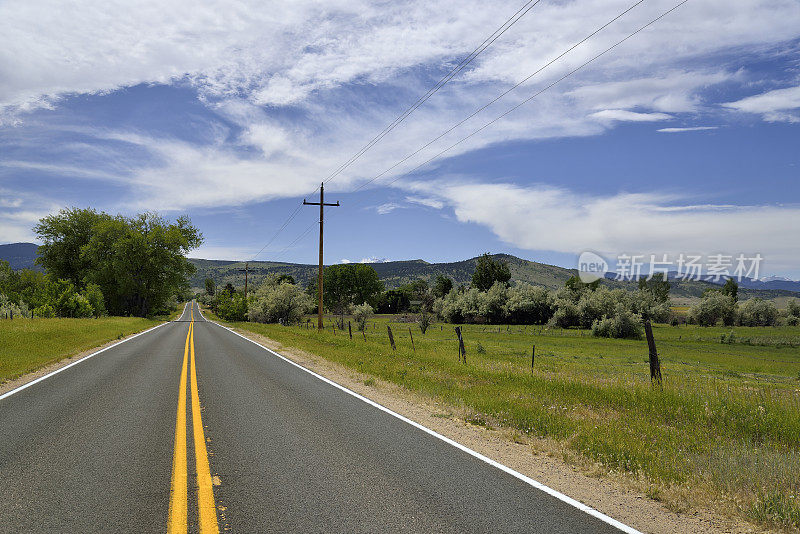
x=515 y=107
x=441 y=83
x=501 y=95
x=521 y=12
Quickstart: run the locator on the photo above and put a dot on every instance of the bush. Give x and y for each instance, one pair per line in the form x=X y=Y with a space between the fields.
x=361 y=314
x=283 y=302
x=566 y=314
x=44 y=311
x=424 y=320
x=646 y=304
x=714 y=307
x=623 y=324
x=9 y=309
x=94 y=296
x=757 y=312
x=492 y=304
x=230 y=307
x=528 y=304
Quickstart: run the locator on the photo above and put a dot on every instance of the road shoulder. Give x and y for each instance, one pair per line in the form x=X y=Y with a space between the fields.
x=542 y=460
x=27 y=378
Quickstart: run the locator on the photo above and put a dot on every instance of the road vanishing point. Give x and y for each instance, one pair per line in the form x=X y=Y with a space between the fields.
x=189 y=427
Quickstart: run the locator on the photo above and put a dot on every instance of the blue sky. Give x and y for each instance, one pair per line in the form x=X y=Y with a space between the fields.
x=684 y=139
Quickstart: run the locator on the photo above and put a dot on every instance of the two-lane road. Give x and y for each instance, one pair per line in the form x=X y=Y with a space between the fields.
x=191 y=426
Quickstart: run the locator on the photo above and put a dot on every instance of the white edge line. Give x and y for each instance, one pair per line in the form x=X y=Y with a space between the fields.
x=48 y=375
x=528 y=480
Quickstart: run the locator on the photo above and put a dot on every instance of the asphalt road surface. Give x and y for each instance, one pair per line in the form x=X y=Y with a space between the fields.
x=190 y=427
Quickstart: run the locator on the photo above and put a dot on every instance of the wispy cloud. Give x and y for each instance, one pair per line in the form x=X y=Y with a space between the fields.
x=775 y=106
x=688 y=129
x=643 y=223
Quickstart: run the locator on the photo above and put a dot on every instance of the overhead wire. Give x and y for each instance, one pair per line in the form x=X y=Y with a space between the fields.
x=521 y=12
x=520 y=104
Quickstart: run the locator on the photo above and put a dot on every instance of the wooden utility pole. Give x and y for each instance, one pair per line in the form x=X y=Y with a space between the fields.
x=321 y=205
x=245 y=271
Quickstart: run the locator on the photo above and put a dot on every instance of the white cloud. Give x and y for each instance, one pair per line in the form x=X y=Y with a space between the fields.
x=623 y=115
x=564 y=221
x=426 y=201
x=367 y=260
x=689 y=129
x=774 y=106
x=19 y=214
x=387 y=207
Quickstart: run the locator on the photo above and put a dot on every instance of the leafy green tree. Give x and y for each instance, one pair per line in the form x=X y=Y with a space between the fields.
x=488 y=271
x=66 y=235
x=286 y=278
x=344 y=285
x=578 y=286
x=758 y=312
x=94 y=295
x=139 y=263
x=394 y=301
x=658 y=286
x=230 y=306
x=442 y=286
x=731 y=289
x=274 y=302
x=211 y=287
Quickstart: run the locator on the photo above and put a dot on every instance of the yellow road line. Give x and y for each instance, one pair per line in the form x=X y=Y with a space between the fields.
x=205 y=490
x=178 y=506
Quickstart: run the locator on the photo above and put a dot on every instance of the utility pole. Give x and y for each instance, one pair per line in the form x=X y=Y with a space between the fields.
x=321 y=205
x=245 y=271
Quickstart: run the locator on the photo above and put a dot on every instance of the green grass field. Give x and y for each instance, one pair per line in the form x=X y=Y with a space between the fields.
x=28 y=344
x=724 y=431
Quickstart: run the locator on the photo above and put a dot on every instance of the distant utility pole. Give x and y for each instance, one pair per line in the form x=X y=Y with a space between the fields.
x=321 y=205
x=245 y=271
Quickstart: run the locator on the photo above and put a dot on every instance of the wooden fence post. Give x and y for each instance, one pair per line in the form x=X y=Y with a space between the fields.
x=533 y=356
x=350 y=330
x=462 y=352
x=412 y=340
x=655 y=364
x=391 y=337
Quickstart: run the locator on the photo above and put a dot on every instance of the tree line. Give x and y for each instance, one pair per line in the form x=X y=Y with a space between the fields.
x=97 y=264
x=490 y=299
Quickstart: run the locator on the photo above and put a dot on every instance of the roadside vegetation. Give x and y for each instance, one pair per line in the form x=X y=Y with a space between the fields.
x=105 y=277
x=27 y=345
x=723 y=431
x=97 y=264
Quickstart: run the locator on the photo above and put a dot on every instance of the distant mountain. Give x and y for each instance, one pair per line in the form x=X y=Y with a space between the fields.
x=397 y=273
x=20 y=255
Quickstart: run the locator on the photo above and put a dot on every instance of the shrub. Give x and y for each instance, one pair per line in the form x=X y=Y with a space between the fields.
x=283 y=302
x=44 y=311
x=757 y=312
x=424 y=321
x=649 y=306
x=528 y=304
x=713 y=307
x=491 y=305
x=361 y=314
x=230 y=306
x=623 y=324
x=10 y=309
x=566 y=314
x=94 y=296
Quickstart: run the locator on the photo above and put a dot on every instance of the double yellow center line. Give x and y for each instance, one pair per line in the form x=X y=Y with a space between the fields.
x=178 y=502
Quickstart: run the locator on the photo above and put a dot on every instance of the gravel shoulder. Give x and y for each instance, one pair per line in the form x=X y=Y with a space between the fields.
x=547 y=462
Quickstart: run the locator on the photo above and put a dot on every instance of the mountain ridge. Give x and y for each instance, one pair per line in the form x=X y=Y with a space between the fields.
x=396 y=273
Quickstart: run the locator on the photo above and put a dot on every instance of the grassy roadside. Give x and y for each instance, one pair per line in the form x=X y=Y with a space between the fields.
x=29 y=344
x=724 y=432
